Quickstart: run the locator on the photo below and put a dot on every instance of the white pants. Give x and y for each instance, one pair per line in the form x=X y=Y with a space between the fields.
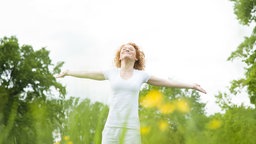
x=113 y=135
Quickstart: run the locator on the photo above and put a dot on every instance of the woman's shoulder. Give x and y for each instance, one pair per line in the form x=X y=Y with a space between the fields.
x=112 y=70
x=140 y=71
x=143 y=74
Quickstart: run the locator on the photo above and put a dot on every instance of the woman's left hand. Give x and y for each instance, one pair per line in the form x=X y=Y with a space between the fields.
x=199 y=88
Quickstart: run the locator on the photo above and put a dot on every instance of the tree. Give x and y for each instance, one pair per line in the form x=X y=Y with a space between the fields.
x=245 y=11
x=30 y=96
x=236 y=126
x=237 y=123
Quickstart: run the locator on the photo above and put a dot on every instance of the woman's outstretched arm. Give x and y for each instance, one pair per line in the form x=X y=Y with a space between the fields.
x=95 y=75
x=169 y=83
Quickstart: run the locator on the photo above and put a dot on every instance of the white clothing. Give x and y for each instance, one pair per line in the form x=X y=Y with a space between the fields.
x=120 y=136
x=123 y=117
x=123 y=108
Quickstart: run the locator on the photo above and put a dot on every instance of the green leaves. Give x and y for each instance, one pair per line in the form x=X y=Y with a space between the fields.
x=27 y=89
x=85 y=122
x=245 y=11
x=183 y=124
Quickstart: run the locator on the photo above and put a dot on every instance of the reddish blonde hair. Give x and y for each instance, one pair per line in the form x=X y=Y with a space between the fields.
x=139 y=63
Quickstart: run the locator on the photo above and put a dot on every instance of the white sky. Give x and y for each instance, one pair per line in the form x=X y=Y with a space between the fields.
x=185 y=40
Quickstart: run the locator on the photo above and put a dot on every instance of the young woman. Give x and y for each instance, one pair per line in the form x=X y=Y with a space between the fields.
x=122 y=125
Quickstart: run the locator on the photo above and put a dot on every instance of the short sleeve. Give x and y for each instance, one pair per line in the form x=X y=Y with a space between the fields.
x=106 y=74
x=146 y=76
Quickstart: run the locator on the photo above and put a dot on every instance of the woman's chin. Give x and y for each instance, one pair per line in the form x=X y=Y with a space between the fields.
x=127 y=58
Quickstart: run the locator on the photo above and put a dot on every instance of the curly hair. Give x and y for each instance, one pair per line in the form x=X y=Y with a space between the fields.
x=139 y=63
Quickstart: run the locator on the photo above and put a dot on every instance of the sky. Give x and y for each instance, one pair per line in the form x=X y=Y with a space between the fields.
x=186 y=40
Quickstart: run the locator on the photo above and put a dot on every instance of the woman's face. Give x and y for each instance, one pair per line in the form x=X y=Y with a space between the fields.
x=128 y=51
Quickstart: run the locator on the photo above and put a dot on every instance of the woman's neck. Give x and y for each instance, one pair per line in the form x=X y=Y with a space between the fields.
x=127 y=65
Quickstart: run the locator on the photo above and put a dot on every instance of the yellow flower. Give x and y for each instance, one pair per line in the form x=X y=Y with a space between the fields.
x=66 y=138
x=167 y=108
x=163 y=125
x=70 y=142
x=214 y=124
x=153 y=99
x=145 y=130
x=182 y=106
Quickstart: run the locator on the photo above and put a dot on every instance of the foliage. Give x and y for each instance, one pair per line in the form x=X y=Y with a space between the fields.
x=239 y=122
x=167 y=116
x=245 y=11
x=27 y=92
x=175 y=116
x=236 y=126
x=85 y=122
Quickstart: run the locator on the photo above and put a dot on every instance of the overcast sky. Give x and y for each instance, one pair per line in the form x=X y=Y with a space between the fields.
x=186 y=40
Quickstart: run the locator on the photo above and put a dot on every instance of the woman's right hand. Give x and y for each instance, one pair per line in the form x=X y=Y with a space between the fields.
x=62 y=74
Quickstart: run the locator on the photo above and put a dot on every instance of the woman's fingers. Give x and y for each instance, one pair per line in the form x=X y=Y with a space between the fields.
x=61 y=75
x=199 y=88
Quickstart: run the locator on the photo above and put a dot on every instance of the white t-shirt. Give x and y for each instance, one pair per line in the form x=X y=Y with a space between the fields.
x=123 y=106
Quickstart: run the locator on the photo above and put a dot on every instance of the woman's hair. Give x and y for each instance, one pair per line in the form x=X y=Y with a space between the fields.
x=139 y=63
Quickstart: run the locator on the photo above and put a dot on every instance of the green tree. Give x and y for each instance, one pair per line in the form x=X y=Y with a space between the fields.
x=30 y=96
x=245 y=11
x=236 y=126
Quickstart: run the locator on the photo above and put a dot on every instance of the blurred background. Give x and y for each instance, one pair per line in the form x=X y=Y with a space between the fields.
x=188 y=41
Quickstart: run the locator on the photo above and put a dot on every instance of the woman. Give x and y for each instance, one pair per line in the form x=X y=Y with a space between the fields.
x=122 y=125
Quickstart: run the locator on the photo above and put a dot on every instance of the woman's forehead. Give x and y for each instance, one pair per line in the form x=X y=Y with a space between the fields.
x=127 y=46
